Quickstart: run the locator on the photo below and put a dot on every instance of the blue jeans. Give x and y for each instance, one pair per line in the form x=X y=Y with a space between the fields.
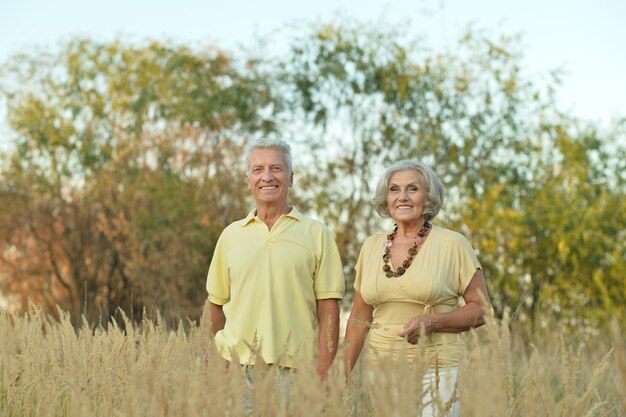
x=285 y=380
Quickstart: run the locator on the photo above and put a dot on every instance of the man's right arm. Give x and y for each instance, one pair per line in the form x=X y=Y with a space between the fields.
x=218 y=319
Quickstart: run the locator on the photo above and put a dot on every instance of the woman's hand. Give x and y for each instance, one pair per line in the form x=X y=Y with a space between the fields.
x=470 y=316
x=416 y=327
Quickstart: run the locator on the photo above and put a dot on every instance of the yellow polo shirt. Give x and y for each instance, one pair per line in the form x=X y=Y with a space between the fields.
x=268 y=282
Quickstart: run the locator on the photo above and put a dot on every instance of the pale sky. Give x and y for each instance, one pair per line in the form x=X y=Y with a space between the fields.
x=585 y=38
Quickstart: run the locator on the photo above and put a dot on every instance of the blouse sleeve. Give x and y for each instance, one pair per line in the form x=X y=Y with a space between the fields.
x=358 y=279
x=467 y=263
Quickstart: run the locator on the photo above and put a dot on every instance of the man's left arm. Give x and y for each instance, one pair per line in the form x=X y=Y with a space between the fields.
x=328 y=328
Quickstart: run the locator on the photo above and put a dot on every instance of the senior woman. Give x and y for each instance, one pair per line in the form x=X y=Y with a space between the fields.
x=409 y=282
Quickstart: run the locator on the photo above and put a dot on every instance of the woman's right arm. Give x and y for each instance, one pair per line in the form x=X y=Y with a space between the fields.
x=356 y=330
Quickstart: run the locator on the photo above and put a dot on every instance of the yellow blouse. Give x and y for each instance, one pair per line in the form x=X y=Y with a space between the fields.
x=433 y=283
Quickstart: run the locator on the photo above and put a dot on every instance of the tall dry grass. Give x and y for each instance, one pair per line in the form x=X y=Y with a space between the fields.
x=47 y=368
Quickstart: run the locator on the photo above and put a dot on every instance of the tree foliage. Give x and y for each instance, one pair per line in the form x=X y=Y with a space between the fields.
x=125 y=169
x=122 y=176
x=539 y=194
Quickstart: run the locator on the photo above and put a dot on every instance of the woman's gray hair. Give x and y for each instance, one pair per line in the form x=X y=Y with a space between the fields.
x=266 y=143
x=434 y=188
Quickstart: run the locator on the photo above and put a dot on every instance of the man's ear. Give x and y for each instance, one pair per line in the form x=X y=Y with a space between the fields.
x=291 y=180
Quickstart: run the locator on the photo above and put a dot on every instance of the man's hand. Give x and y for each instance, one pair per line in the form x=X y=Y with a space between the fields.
x=328 y=323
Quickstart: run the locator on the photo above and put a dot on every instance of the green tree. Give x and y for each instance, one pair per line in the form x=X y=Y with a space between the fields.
x=123 y=176
x=555 y=242
x=524 y=182
x=373 y=96
x=126 y=165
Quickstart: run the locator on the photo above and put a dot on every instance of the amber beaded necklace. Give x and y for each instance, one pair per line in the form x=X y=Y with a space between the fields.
x=417 y=244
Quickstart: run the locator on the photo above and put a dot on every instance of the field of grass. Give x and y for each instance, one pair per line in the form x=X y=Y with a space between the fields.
x=49 y=368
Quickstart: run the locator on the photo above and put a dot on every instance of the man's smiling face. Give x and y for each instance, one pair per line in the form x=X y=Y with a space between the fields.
x=269 y=178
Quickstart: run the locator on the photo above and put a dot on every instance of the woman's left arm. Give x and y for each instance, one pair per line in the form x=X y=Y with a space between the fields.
x=471 y=315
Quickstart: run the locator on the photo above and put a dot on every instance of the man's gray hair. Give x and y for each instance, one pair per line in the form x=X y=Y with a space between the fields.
x=266 y=143
x=434 y=188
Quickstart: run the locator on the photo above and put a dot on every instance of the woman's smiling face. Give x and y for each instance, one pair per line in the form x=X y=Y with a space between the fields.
x=406 y=197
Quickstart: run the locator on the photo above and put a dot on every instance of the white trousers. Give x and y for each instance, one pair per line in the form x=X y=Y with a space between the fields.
x=438 y=400
x=443 y=388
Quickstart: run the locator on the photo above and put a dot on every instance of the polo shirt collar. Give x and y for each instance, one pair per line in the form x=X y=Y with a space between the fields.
x=294 y=214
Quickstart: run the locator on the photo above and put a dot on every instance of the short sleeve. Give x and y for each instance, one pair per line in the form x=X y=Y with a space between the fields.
x=358 y=269
x=466 y=263
x=218 y=278
x=329 y=279
x=367 y=271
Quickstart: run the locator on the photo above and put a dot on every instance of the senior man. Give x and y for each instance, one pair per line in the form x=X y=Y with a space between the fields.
x=275 y=279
